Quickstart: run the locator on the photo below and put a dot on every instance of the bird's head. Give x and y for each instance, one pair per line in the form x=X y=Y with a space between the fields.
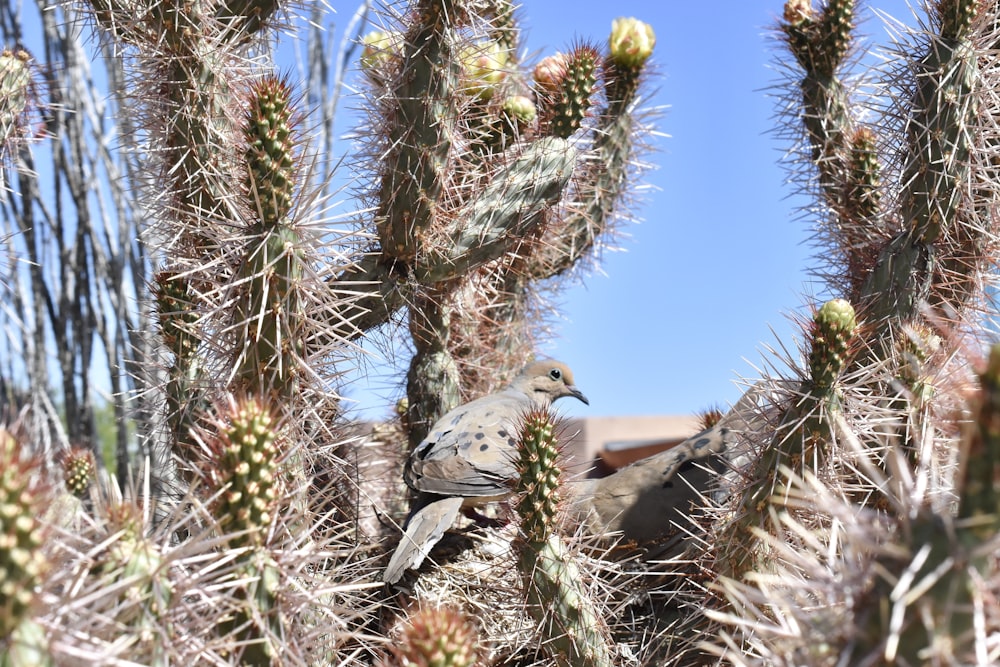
x=547 y=380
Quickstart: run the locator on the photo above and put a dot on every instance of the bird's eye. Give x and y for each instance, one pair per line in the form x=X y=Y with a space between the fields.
x=555 y=374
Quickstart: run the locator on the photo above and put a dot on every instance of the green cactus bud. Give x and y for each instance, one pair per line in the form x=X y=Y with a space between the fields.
x=270 y=152
x=437 y=637
x=520 y=110
x=574 y=91
x=79 y=470
x=833 y=331
x=631 y=43
x=21 y=560
x=244 y=464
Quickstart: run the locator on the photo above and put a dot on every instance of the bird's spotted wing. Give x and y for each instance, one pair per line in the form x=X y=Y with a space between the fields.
x=471 y=450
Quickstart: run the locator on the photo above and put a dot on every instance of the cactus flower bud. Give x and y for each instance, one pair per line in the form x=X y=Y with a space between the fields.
x=798 y=12
x=550 y=72
x=485 y=66
x=15 y=93
x=834 y=326
x=377 y=50
x=631 y=42
x=520 y=109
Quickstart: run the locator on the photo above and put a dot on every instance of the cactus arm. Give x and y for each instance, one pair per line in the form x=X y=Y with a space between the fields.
x=802 y=439
x=512 y=204
x=944 y=109
x=820 y=44
x=573 y=630
x=421 y=120
x=599 y=190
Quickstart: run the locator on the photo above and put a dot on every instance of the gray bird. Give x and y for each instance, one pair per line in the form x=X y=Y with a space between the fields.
x=468 y=458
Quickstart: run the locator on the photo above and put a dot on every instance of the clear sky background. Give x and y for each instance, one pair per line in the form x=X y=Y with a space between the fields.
x=707 y=280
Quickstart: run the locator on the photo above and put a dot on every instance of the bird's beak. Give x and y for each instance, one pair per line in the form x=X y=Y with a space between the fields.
x=576 y=393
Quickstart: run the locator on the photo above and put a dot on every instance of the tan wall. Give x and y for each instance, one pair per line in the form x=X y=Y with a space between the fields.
x=618 y=441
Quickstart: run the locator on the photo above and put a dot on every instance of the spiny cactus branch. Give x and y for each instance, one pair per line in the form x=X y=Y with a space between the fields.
x=510 y=207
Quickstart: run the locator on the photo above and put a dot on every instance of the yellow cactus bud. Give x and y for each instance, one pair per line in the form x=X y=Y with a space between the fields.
x=631 y=42
x=378 y=49
x=485 y=67
x=798 y=11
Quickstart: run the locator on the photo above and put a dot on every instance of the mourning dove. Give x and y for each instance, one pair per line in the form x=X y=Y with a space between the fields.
x=648 y=502
x=468 y=458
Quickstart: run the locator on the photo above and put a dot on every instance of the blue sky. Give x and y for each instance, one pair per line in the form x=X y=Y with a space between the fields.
x=722 y=256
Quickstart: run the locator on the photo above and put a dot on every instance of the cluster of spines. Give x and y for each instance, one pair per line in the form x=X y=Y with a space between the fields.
x=925 y=597
x=144 y=602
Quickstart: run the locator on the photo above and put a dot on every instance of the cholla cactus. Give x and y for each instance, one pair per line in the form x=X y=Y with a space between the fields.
x=480 y=191
x=851 y=547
